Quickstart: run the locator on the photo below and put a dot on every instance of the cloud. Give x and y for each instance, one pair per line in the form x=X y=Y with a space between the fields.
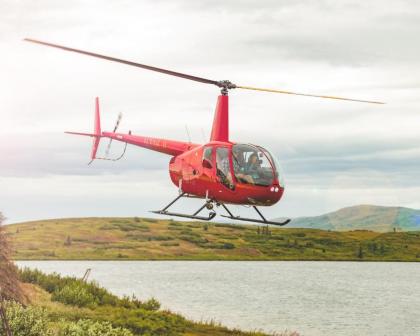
x=62 y=154
x=334 y=153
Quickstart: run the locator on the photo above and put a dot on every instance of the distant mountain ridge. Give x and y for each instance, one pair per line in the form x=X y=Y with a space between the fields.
x=363 y=217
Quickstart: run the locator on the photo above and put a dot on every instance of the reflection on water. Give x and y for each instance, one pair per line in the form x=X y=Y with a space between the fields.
x=313 y=298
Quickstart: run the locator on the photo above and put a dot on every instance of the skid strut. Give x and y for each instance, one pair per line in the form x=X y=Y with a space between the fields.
x=263 y=220
x=207 y=205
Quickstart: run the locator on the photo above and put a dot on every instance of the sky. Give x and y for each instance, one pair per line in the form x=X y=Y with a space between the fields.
x=333 y=153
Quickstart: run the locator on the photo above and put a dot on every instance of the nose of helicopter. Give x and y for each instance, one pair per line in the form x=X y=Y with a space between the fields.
x=275 y=193
x=270 y=196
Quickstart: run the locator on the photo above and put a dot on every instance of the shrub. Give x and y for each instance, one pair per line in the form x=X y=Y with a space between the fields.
x=174 y=223
x=124 y=225
x=300 y=234
x=220 y=246
x=228 y=246
x=151 y=304
x=72 y=291
x=68 y=289
x=92 y=328
x=30 y=321
x=167 y=244
x=74 y=294
x=231 y=226
x=160 y=238
x=194 y=239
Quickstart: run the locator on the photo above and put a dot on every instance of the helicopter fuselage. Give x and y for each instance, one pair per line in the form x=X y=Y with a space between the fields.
x=201 y=176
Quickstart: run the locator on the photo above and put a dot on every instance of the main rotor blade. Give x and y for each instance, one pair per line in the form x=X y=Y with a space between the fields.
x=224 y=84
x=306 y=94
x=143 y=66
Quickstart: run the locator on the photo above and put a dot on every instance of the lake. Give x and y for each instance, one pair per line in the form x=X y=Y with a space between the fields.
x=313 y=298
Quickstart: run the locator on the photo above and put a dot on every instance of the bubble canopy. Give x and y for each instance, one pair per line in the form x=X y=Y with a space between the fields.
x=255 y=165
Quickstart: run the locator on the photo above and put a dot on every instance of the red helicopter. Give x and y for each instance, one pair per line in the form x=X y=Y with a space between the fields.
x=221 y=172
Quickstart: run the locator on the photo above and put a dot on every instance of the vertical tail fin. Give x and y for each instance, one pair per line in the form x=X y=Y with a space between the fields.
x=96 y=131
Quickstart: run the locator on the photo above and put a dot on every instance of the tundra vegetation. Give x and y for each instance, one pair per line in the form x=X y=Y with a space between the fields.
x=151 y=239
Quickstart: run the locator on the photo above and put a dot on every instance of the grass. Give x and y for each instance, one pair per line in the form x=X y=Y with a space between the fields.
x=151 y=239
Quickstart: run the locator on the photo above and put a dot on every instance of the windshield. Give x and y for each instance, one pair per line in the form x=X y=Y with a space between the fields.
x=252 y=165
x=276 y=165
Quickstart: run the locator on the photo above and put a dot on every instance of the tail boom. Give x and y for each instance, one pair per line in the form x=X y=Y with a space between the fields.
x=170 y=147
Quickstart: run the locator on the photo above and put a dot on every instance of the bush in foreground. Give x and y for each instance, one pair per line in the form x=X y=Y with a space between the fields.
x=76 y=292
x=26 y=321
x=92 y=328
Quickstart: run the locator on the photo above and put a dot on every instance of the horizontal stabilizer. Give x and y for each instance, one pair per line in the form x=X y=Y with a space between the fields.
x=85 y=134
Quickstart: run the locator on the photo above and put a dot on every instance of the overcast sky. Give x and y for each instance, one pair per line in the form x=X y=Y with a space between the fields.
x=333 y=153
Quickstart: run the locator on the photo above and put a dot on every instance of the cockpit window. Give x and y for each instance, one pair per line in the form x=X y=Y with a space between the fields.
x=207 y=154
x=252 y=165
x=277 y=167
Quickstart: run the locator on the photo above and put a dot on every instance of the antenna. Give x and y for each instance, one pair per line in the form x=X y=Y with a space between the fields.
x=188 y=133
x=203 y=134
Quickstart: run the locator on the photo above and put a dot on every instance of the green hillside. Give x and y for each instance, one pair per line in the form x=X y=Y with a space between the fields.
x=363 y=217
x=150 y=239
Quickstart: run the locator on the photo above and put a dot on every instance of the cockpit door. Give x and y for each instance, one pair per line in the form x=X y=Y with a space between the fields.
x=224 y=168
x=208 y=162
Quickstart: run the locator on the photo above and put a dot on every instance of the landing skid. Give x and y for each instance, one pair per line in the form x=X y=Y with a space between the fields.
x=207 y=205
x=263 y=220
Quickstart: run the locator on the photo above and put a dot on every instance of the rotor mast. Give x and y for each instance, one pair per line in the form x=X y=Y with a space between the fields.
x=220 y=129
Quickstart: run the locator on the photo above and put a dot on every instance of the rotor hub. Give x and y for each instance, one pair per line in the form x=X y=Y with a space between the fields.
x=225 y=85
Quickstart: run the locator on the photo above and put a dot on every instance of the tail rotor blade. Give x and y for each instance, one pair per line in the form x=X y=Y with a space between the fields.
x=117 y=124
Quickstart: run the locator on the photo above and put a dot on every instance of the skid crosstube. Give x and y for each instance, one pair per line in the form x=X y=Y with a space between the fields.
x=165 y=211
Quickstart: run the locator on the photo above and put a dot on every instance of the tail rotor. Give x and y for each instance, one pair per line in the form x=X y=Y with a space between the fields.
x=97 y=135
x=117 y=124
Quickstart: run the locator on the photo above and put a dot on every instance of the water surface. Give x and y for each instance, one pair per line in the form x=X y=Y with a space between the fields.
x=313 y=298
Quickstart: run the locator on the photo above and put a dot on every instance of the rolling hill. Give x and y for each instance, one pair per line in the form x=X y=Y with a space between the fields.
x=363 y=217
x=151 y=239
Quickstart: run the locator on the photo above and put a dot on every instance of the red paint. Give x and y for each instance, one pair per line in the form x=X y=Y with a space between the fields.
x=170 y=147
x=96 y=130
x=186 y=167
x=220 y=130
